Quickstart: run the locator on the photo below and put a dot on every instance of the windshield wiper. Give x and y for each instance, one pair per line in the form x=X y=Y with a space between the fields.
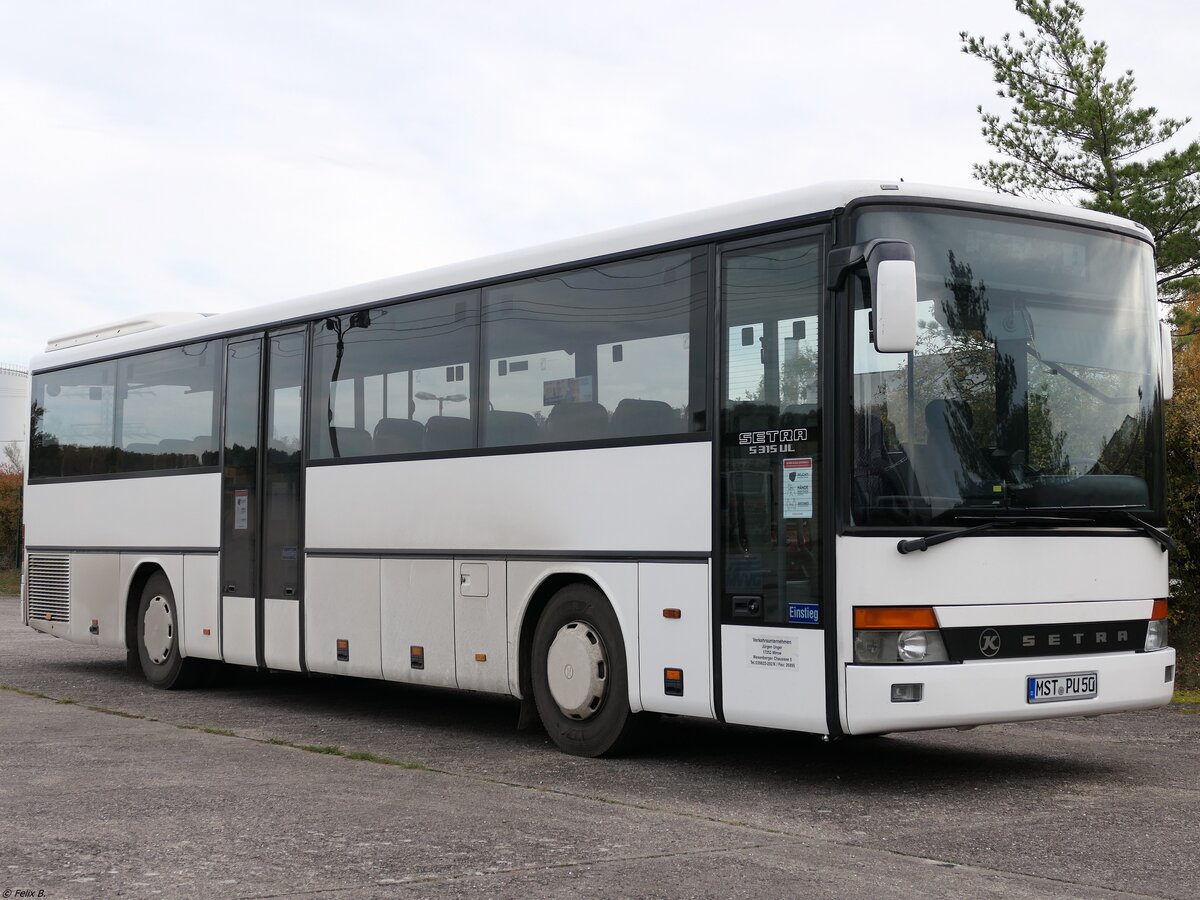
x=925 y=543
x=989 y=522
x=1165 y=541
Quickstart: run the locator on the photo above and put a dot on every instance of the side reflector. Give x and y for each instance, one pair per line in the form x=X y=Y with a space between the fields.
x=480 y=657
x=672 y=614
x=343 y=650
x=207 y=632
x=673 y=682
x=895 y=618
x=1160 y=610
x=416 y=657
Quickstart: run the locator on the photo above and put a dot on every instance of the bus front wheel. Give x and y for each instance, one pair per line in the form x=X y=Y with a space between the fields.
x=158 y=637
x=580 y=681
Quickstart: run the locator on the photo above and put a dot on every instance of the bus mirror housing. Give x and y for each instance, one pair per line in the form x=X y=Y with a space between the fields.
x=1168 y=360
x=895 y=294
x=891 y=268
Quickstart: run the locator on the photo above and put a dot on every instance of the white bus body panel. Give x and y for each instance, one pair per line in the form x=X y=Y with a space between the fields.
x=417 y=610
x=774 y=677
x=238 y=644
x=684 y=643
x=202 y=609
x=341 y=602
x=584 y=501
x=281 y=634
x=974 y=581
x=170 y=512
x=155 y=520
x=481 y=625
x=1042 y=613
x=94 y=584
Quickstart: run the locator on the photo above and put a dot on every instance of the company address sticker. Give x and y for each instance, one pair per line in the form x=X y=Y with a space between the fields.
x=771 y=652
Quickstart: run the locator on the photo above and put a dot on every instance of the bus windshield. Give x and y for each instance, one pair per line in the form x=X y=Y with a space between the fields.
x=1034 y=382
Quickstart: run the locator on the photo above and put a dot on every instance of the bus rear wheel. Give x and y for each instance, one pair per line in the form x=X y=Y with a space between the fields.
x=158 y=638
x=580 y=681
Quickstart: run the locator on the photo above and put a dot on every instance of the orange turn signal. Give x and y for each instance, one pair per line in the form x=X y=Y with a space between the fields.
x=672 y=614
x=1160 y=610
x=895 y=618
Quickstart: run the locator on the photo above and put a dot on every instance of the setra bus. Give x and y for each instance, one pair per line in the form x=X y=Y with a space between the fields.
x=847 y=460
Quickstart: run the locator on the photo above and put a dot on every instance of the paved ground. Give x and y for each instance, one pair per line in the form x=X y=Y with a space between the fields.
x=110 y=788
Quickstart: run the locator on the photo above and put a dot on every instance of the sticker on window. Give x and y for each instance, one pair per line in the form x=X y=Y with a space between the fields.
x=241 y=510
x=804 y=613
x=797 y=488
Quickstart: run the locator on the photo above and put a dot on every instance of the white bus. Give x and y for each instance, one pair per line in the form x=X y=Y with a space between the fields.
x=716 y=466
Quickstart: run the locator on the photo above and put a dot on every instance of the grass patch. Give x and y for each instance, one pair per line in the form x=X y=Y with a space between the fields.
x=208 y=729
x=1185 y=695
x=356 y=755
x=323 y=749
x=118 y=712
x=16 y=690
x=10 y=582
x=320 y=748
x=364 y=756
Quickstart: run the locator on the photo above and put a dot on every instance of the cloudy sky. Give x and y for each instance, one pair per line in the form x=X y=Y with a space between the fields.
x=209 y=155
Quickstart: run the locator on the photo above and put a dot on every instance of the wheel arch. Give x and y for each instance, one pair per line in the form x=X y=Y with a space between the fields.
x=616 y=582
x=142 y=573
x=550 y=585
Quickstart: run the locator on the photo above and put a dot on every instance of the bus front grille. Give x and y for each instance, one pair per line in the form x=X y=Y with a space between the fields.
x=49 y=584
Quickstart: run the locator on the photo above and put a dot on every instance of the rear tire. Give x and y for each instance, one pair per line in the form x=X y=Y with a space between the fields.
x=158 y=638
x=580 y=680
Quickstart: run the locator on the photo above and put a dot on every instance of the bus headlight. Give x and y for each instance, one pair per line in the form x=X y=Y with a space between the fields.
x=1156 y=634
x=899 y=647
x=897 y=634
x=1156 y=628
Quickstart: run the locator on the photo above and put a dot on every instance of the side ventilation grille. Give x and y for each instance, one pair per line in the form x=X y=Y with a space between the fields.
x=49 y=587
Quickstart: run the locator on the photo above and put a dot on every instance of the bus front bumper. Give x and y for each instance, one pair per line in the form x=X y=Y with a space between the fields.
x=989 y=691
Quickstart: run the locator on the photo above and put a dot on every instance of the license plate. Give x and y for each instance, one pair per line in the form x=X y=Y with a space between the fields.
x=1053 y=688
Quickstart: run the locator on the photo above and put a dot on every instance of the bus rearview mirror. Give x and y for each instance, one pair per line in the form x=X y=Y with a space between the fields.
x=894 y=283
x=891 y=266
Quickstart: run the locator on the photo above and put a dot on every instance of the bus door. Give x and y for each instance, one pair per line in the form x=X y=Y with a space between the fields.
x=262 y=507
x=769 y=579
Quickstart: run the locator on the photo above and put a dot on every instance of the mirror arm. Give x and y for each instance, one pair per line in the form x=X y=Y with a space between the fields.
x=842 y=261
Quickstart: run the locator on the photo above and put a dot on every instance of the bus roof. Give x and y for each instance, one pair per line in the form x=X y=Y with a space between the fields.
x=163 y=329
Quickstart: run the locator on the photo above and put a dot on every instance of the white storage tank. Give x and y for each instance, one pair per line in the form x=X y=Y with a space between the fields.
x=14 y=410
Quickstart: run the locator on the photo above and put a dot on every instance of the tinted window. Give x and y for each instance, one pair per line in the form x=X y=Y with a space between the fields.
x=395 y=379
x=153 y=411
x=606 y=351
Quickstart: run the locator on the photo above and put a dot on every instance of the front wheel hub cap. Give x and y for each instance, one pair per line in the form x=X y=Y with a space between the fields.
x=577 y=670
x=158 y=630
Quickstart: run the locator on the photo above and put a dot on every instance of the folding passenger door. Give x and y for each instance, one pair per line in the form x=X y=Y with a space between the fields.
x=771 y=588
x=262 y=507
